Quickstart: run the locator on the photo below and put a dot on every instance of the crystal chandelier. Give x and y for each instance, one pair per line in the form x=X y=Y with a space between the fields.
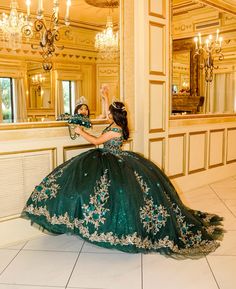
x=14 y=25
x=210 y=50
x=107 y=42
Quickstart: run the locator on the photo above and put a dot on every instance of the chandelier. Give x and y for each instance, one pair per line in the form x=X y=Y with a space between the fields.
x=107 y=42
x=14 y=25
x=50 y=34
x=210 y=50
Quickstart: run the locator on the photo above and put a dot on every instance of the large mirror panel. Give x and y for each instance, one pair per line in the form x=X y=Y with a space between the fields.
x=203 y=59
x=28 y=93
x=39 y=87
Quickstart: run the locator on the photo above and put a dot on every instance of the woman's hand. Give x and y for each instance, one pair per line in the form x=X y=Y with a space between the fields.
x=104 y=92
x=79 y=129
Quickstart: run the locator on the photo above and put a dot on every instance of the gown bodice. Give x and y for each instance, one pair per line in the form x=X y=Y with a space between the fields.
x=114 y=145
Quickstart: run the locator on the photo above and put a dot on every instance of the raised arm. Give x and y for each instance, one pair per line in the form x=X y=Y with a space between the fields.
x=105 y=100
x=97 y=140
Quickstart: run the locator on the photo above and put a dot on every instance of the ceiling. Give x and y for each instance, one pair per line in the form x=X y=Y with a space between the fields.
x=183 y=6
x=80 y=11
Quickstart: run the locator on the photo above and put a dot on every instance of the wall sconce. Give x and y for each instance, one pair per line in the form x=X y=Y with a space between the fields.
x=209 y=50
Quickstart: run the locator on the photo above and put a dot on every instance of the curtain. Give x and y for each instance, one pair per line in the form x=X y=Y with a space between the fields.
x=1 y=116
x=59 y=99
x=222 y=93
x=20 y=108
x=77 y=90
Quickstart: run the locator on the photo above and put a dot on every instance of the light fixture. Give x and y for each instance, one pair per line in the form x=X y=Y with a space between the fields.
x=14 y=25
x=50 y=34
x=37 y=79
x=107 y=42
x=210 y=50
x=36 y=82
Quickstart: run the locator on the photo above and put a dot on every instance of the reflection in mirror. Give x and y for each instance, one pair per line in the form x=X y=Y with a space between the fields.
x=39 y=86
x=28 y=93
x=194 y=90
x=6 y=100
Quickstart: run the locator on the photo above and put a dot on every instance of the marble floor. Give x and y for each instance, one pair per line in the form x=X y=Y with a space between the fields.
x=44 y=261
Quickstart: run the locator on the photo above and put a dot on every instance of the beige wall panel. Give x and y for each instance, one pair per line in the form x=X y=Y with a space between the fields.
x=157 y=8
x=156 y=151
x=19 y=174
x=157 y=48
x=231 y=145
x=156 y=106
x=176 y=155
x=197 y=152
x=73 y=151
x=216 y=148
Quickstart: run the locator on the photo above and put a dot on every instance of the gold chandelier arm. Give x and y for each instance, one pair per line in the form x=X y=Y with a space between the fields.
x=39 y=24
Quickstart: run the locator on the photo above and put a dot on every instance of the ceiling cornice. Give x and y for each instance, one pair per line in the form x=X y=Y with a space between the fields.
x=225 y=6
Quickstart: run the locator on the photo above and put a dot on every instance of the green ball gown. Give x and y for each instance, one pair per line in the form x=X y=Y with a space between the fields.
x=119 y=199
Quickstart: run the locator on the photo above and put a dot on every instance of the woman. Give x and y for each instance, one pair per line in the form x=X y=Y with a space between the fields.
x=118 y=199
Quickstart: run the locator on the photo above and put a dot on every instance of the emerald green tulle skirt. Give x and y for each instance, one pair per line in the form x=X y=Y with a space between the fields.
x=121 y=201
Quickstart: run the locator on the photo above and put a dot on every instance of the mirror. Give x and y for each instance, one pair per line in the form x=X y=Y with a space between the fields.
x=39 y=87
x=28 y=93
x=193 y=91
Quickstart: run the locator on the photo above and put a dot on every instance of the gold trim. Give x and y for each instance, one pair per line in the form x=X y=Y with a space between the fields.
x=183 y=135
x=52 y=149
x=163 y=15
x=226 y=7
x=199 y=120
x=70 y=148
x=205 y=152
x=163 y=26
x=30 y=125
x=163 y=83
x=196 y=116
x=158 y=139
x=233 y=160
x=223 y=148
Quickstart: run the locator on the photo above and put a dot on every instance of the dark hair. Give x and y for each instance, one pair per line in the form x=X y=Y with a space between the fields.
x=78 y=106
x=119 y=113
